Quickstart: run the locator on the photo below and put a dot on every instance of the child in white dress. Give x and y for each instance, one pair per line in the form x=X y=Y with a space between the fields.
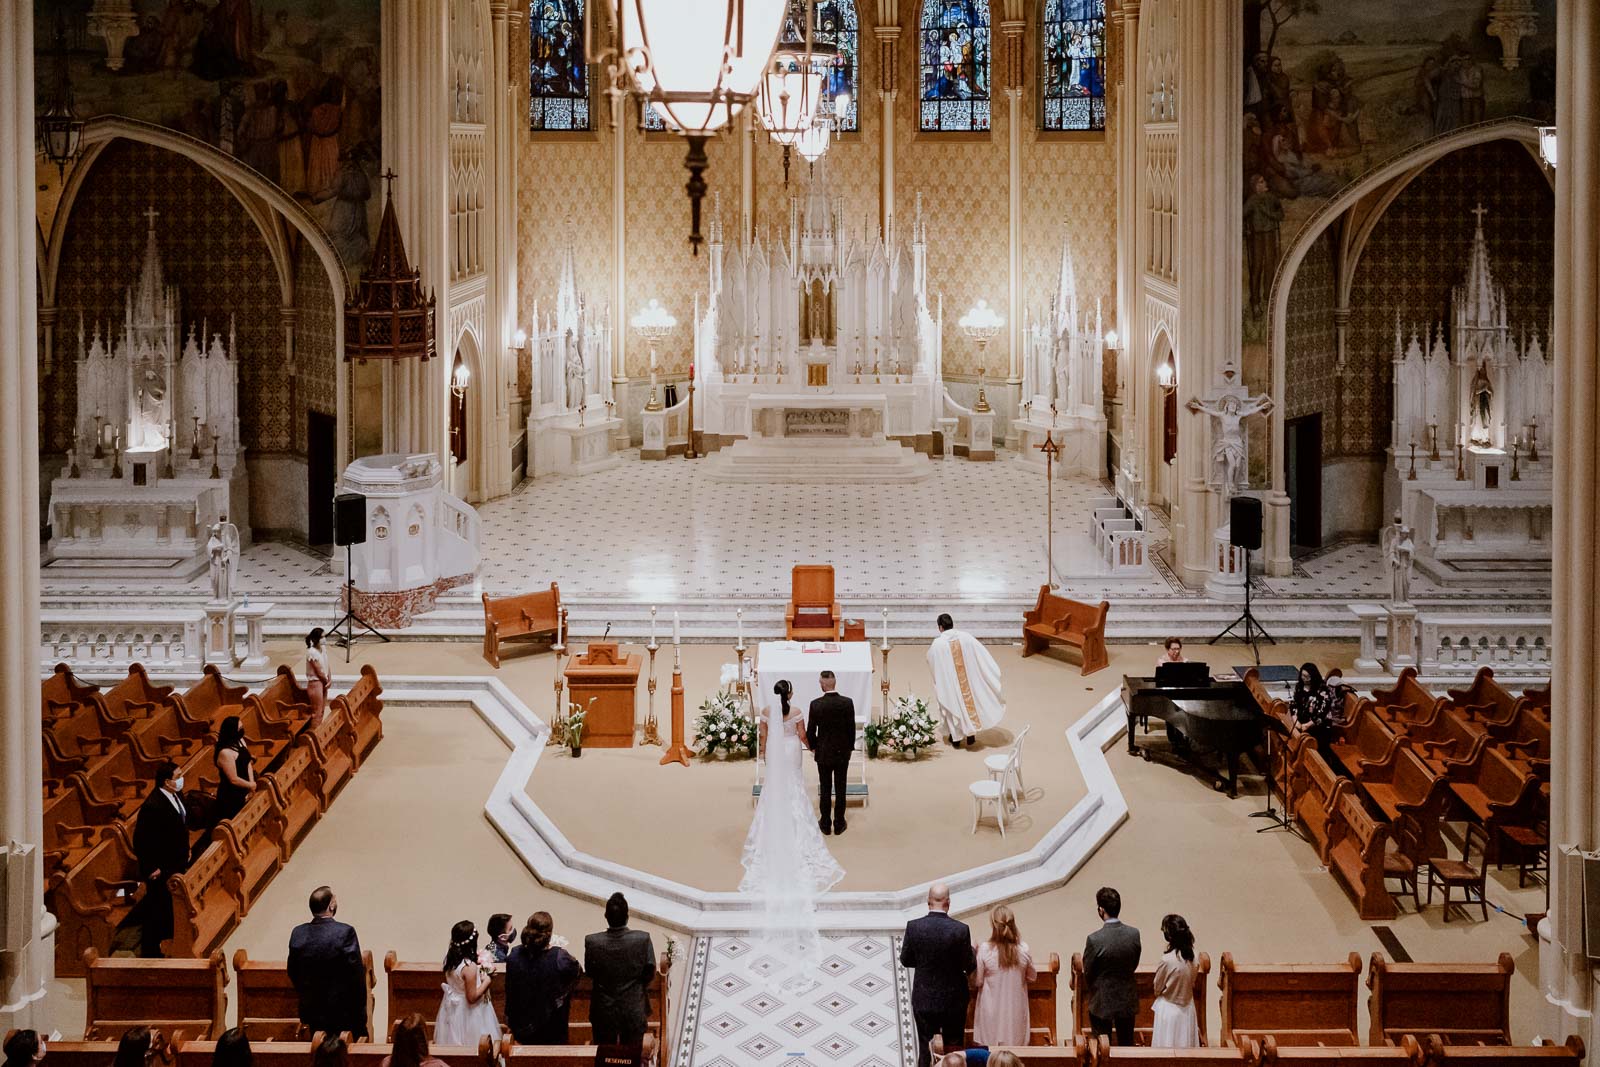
x=465 y=1011
x=1175 y=1023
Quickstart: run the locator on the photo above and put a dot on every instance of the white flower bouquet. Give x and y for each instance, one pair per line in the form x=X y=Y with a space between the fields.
x=909 y=728
x=723 y=724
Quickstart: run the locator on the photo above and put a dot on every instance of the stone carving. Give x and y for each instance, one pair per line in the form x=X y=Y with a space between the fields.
x=1398 y=552
x=222 y=557
x=1227 y=437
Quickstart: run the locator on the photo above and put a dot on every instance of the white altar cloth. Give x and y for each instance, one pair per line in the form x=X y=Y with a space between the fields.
x=851 y=666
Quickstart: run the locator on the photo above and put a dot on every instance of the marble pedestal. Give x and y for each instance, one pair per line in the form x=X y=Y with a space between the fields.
x=560 y=445
x=1400 y=650
x=219 y=633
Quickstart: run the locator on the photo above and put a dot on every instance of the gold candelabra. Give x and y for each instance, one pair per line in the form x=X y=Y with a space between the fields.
x=1533 y=440
x=1433 y=438
x=883 y=685
x=216 y=471
x=558 y=722
x=194 y=439
x=652 y=729
x=1411 y=475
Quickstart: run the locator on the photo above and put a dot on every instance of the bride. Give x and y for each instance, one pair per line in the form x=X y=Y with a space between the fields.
x=787 y=867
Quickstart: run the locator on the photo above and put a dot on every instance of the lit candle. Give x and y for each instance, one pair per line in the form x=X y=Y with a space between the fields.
x=739 y=614
x=652 y=626
x=676 y=631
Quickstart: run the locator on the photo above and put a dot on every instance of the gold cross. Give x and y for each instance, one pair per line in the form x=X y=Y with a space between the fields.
x=1050 y=447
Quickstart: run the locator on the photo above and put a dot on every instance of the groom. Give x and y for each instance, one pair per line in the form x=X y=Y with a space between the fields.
x=831 y=733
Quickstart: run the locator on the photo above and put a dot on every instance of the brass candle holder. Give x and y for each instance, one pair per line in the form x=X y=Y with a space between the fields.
x=1461 y=467
x=1411 y=475
x=194 y=439
x=1516 y=451
x=652 y=728
x=883 y=684
x=216 y=471
x=558 y=721
x=1533 y=440
x=99 y=440
x=1433 y=438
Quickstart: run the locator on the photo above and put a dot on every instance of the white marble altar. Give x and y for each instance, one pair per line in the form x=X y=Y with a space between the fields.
x=1061 y=382
x=572 y=428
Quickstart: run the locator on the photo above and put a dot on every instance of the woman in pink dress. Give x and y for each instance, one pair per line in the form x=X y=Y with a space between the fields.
x=1004 y=970
x=317 y=677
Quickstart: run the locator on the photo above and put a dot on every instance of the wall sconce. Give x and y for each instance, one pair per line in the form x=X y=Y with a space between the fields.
x=1547 y=146
x=519 y=340
x=460 y=378
x=1113 y=342
x=1167 y=375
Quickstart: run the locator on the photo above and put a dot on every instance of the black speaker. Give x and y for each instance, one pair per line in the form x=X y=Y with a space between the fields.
x=350 y=519
x=1244 y=522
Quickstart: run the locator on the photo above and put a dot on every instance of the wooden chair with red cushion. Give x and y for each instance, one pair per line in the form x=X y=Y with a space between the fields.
x=812 y=613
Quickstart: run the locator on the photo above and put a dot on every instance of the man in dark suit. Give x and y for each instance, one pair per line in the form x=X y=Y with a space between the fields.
x=327 y=971
x=161 y=844
x=620 y=963
x=939 y=950
x=831 y=733
x=1110 y=957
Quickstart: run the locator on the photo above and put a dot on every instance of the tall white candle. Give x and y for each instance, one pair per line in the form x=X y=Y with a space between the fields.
x=652 y=625
x=561 y=617
x=739 y=614
x=885 y=627
x=676 y=632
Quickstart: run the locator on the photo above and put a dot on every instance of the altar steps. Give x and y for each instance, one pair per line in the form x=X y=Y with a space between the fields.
x=836 y=461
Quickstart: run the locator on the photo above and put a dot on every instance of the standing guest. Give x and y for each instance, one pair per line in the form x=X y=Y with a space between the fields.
x=410 y=1044
x=1110 y=957
x=24 y=1048
x=137 y=1048
x=327 y=970
x=620 y=962
x=465 y=1011
x=1004 y=970
x=236 y=777
x=966 y=682
x=233 y=1049
x=161 y=844
x=500 y=930
x=1175 y=1023
x=331 y=1051
x=317 y=676
x=939 y=949
x=539 y=982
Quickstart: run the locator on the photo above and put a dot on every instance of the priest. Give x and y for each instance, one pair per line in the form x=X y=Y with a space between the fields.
x=966 y=681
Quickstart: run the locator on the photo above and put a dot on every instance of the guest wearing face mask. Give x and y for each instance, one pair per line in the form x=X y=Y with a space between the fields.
x=161 y=845
x=24 y=1048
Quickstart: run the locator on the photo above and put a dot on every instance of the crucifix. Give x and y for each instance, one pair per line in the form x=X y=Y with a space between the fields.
x=1480 y=211
x=152 y=214
x=1051 y=450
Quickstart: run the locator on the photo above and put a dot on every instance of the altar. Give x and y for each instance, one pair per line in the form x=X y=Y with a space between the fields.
x=802 y=663
x=1062 y=393
x=571 y=428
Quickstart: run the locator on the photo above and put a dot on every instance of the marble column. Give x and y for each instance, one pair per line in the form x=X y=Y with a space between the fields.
x=26 y=953
x=1011 y=35
x=888 y=41
x=1128 y=123
x=500 y=211
x=1568 y=979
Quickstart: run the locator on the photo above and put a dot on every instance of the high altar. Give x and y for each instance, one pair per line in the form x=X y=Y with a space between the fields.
x=156 y=457
x=571 y=425
x=818 y=358
x=1465 y=469
x=1061 y=385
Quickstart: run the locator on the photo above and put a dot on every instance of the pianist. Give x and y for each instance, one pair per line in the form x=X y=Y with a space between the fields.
x=1172 y=652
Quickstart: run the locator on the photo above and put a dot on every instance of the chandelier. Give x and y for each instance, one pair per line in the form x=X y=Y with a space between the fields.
x=389 y=315
x=58 y=128
x=697 y=62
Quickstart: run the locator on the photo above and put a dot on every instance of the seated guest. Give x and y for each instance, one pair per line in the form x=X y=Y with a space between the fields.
x=1175 y=1023
x=539 y=982
x=137 y=1048
x=465 y=1011
x=620 y=962
x=24 y=1048
x=1004 y=970
x=1336 y=694
x=330 y=1051
x=975 y=1056
x=233 y=1049
x=1312 y=705
x=411 y=1044
x=327 y=971
x=1172 y=652
x=500 y=930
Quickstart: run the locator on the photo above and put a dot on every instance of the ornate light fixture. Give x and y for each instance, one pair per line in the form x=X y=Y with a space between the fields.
x=653 y=322
x=389 y=315
x=57 y=127
x=1112 y=340
x=460 y=378
x=1167 y=375
x=696 y=62
x=1547 y=146
x=981 y=324
x=519 y=340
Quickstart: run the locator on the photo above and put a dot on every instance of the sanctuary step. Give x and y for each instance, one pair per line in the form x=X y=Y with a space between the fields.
x=835 y=461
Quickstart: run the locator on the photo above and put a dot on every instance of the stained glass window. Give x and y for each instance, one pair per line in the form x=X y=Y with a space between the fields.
x=955 y=65
x=835 y=28
x=1072 y=69
x=558 y=78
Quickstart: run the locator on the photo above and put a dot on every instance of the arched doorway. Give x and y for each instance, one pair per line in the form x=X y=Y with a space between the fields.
x=1161 y=443
x=465 y=403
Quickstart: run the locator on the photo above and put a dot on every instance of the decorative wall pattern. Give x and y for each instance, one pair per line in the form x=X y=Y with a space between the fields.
x=1312 y=359
x=316 y=354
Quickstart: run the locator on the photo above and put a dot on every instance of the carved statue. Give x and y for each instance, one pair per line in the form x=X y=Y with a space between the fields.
x=1398 y=552
x=574 y=374
x=1227 y=438
x=1482 y=407
x=222 y=555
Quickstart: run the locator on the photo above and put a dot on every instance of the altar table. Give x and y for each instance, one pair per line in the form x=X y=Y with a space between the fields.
x=851 y=666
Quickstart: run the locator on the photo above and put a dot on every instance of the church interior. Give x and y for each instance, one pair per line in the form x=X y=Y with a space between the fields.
x=462 y=414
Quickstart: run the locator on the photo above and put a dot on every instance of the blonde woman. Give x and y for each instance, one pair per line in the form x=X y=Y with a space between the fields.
x=1004 y=970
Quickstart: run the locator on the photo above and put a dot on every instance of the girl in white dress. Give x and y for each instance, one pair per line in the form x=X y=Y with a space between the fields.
x=465 y=1011
x=1175 y=1023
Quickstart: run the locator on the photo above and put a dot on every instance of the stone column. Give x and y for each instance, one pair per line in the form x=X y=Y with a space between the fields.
x=1568 y=980
x=619 y=255
x=1135 y=347
x=500 y=210
x=1011 y=33
x=26 y=959
x=888 y=40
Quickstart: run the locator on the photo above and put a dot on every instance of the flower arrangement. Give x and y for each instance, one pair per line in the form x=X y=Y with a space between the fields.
x=574 y=726
x=872 y=734
x=910 y=726
x=723 y=724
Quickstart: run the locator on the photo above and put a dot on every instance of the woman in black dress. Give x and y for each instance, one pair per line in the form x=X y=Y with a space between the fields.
x=236 y=778
x=539 y=981
x=1313 y=705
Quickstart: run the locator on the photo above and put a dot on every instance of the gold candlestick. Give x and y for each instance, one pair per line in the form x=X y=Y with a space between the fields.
x=652 y=729
x=558 y=722
x=194 y=439
x=678 y=752
x=216 y=471
x=1533 y=440
x=1433 y=437
x=1461 y=469
x=884 y=684
x=1516 y=471
x=1411 y=476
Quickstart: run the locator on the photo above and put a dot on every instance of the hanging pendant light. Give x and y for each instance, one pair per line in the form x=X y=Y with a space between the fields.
x=814 y=141
x=58 y=128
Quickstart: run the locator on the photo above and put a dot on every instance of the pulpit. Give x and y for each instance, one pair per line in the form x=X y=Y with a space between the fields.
x=812 y=613
x=611 y=680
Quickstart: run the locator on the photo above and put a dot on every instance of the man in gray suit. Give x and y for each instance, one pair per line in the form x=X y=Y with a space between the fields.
x=1110 y=956
x=620 y=963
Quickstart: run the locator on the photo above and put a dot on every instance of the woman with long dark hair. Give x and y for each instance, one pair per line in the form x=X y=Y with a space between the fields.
x=236 y=777
x=24 y=1049
x=465 y=1012
x=136 y=1048
x=233 y=1049
x=1312 y=704
x=540 y=977
x=318 y=677
x=1005 y=967
x=1175 y=1023
x=331 y=1051
x=410 y=1044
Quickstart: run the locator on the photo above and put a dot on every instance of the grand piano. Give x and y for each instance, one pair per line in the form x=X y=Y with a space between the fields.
x=1216 y=717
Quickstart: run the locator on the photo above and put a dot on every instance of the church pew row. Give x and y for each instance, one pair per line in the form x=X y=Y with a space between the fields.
x=1296 y=1004
x=268 y=1004
x=414 y=987
x=1041 y=1003
x=361 y=1054
x=169 y=995
x=1144 y=978
x=1460 y=1003
x=1349 y=841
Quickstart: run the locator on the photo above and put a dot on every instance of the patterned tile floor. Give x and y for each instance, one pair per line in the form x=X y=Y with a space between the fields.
x=859 y=1014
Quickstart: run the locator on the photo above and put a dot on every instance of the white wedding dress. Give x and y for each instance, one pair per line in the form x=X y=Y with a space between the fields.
x=787 y=866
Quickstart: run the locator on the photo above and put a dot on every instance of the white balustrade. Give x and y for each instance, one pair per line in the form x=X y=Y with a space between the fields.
x=91 y=641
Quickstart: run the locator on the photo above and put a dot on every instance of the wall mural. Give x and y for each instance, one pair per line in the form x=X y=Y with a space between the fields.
x=289 y=87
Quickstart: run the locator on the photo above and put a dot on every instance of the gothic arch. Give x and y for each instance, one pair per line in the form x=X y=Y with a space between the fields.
x=479 y=411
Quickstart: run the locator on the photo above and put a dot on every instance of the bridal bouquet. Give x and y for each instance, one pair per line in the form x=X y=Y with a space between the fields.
x=723 y=724
x=910 y=726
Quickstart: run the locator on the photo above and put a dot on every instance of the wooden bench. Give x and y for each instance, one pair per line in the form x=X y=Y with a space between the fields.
x=297 y=1053
x=1267 y=1052
x=363 y=711
x=1442 y=1054
x=91 y=899
x=1404 y=786
x=1144 y=1018
x=1462 y=1003
x=1408 y=696
x=1496 y=793
x=134 y=700
x=1316 y=790
x=272 y=718
x=123 y=778
x=333 y=750
x=62 y=694
x=74 y=823
x=1484 y=691
x=526 y=615
x=170 y=995
x=254 y=838
x=268 y=1003
x=1443 y=740
x=1366 y=739
x=205 y=904
x=1285 y=750
x=1055 y=620
x=1295 y=1003
x=170 y=734
x=211 y=699
x=1041 y=1004
x=1099 y=1052
x=297 y=784
x=1356 y=846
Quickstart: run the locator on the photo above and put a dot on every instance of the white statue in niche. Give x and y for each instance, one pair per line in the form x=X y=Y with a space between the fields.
x=574 y=374
x=1398 y=552
x=222 y=556
x=1227 y=438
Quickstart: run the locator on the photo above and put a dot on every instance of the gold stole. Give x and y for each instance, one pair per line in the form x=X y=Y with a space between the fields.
x=968 y=704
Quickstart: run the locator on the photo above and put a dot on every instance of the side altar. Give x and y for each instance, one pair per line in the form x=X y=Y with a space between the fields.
x=572 y=426
x=1062 y=393
x=156 y=458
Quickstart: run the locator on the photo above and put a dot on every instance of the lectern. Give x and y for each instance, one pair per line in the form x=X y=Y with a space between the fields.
x=611 y=680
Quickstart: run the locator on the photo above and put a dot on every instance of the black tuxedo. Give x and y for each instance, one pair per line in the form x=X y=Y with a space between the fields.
x=538 y=994
x=620 y=962
x=939 y=950
x=160 y=843
x=326 y=969
x=831 y=733
x=1110 y=958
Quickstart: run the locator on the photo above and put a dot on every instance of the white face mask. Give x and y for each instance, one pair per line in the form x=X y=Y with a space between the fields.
x=177 y=784
x=42 y=1049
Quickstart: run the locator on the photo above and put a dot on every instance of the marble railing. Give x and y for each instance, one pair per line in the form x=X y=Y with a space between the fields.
x=90 y=641
x=1459 y=644
x=1121 y=535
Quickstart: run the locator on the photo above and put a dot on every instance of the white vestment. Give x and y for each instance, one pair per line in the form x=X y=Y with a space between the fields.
x=966 y=680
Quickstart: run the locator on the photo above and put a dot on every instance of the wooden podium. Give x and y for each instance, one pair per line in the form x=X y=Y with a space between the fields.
x=611 y=680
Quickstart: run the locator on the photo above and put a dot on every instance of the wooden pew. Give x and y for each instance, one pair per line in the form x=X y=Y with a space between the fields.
x=1407 y=697
x=526 y=615
x=1041 y=1004
x=170 y=734
x=134 y=700
x=550 y=1056
x=297 y=785
x=1297 y=1004
x=1498 y=794
x=210 y=700
x=101 y=1053
x=1144 y=1018
x=1268 y=1053
x=1099 y=1052
x=91 y=899
x=254 y=838
x=74 y=823
x=272 y=717
x=363 y=711
x=1445 y=740
x=171 y=995
x=1495 y=702
x=205 y=904
x=62 y=695
x=76 y=742
x=1366 y=740
x=333 y=751
x=1056 y=620
x=297 y=1053
x=123 y=778
x=1316 y=790
x=1356 y=846
x=1442 y=1054
x=268 y=1004
x=1461 y=1003
x=1405 y=786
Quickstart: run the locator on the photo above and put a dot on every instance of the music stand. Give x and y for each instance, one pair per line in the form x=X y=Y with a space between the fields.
x=351 y=620
x=1253 y=630
x=1280 y=821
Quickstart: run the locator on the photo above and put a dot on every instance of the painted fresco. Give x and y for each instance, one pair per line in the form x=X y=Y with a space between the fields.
x=289 y=87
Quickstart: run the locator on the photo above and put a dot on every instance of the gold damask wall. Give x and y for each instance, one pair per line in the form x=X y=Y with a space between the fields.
x=1068 y=188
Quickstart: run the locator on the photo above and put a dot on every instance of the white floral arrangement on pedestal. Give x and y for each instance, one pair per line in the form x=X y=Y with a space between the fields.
x=909 y=727
x=723 y=724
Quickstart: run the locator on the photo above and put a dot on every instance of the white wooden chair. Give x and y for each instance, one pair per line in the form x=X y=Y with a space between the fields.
x=998 y=763
x=994 y=790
